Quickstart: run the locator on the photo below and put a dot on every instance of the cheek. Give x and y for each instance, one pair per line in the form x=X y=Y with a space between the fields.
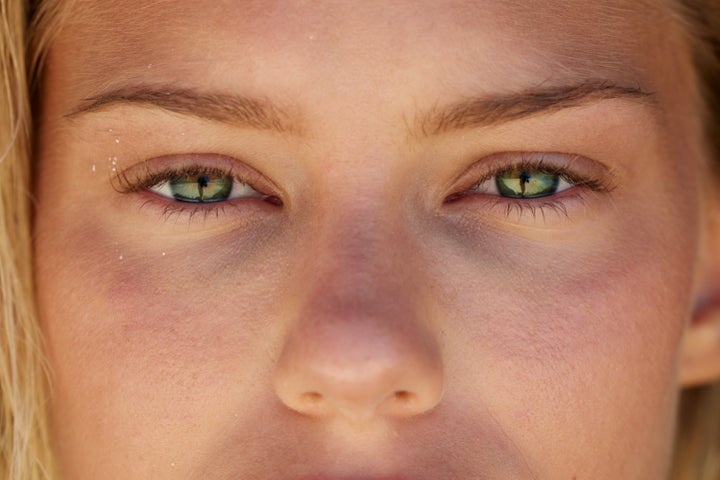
x=152 y=336
x=165 y=303
x=570 y=342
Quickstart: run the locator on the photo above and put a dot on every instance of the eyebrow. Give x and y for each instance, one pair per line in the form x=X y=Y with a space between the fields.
x=493 y=110
x=469 y=113
x=232 y=109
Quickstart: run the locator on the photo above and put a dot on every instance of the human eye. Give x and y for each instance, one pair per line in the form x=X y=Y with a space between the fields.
x=516 y=183
x=525 y=182
x=203 y=186
x=195 y=184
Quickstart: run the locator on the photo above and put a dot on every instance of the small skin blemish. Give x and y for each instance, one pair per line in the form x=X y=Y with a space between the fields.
x=93 y=167
x=117 y=140
x=120 y=257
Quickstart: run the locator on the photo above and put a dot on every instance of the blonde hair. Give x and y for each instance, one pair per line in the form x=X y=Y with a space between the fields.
x=25 y=451
x=24 y=438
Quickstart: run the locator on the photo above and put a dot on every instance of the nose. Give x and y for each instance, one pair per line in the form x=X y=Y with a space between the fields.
x=358 y=367
x=360 y=347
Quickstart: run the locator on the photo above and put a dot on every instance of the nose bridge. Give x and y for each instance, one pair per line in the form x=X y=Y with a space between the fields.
x=356 y=257
x=359 y=346
x=360 y=299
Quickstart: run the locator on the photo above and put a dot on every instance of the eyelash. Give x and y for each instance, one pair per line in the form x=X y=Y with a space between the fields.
x=556 y=202
x=142 y=178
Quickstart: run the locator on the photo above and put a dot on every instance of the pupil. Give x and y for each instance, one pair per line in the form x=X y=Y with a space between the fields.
x=203 y=182
x=524 y=179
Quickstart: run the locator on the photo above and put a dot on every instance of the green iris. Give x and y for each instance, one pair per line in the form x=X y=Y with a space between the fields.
x=519 y=183
x=200 y=188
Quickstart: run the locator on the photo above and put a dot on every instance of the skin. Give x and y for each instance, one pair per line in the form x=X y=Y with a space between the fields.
x=362 y=325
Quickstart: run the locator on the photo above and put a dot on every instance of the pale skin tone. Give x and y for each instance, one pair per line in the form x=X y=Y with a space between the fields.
x=372 y=307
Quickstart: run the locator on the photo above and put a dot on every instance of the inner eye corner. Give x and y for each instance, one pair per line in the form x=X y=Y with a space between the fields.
x=454 y=197
x=274 y=200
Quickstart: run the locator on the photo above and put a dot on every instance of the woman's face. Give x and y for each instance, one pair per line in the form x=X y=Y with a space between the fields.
x=367 y=240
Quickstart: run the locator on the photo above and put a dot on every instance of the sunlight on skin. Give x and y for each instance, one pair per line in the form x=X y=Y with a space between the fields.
x=364 y=309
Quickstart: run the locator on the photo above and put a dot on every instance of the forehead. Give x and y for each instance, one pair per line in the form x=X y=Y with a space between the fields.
x=495 y=44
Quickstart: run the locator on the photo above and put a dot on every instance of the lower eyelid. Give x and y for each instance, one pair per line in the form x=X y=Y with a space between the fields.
x=543 y=212
x=230 y=213
x=575 y=203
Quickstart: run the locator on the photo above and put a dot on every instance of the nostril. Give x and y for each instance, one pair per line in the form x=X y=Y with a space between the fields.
x=347 y=367
x=403 y=396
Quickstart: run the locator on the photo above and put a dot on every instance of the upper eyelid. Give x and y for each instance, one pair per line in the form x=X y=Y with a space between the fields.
x=164 y=176
x=573 y=167
x=154 y=170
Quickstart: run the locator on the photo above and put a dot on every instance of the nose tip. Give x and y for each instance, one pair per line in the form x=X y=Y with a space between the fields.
x=359 y=373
